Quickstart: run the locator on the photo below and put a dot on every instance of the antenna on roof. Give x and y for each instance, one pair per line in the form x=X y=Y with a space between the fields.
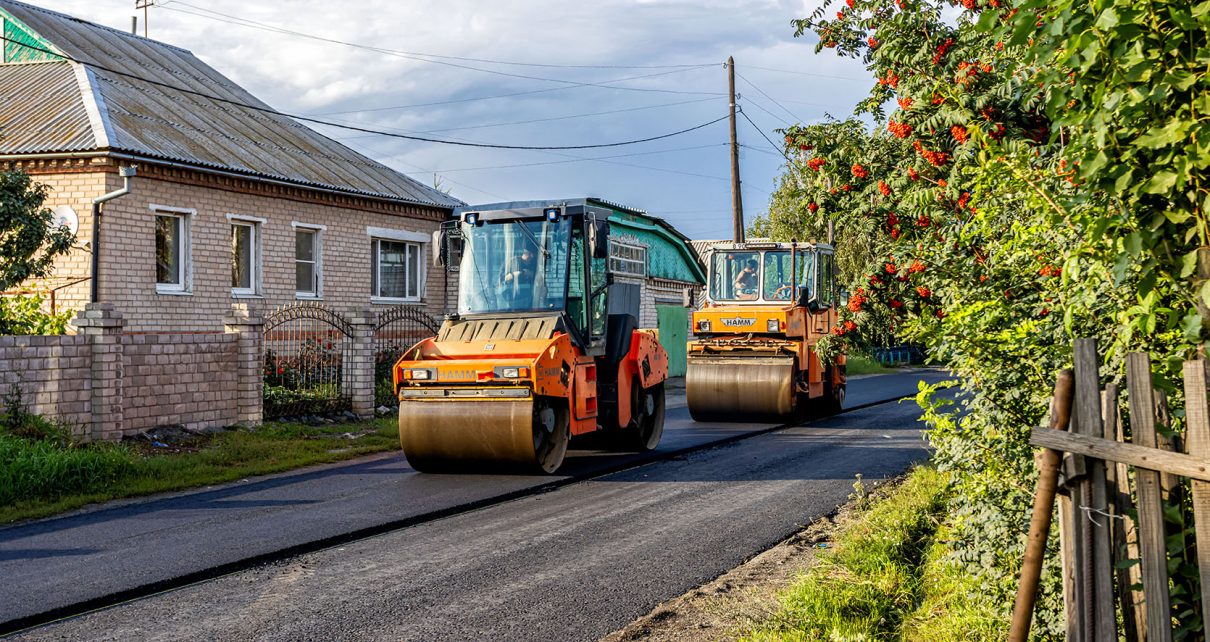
x=143 y=4
x=134 y=25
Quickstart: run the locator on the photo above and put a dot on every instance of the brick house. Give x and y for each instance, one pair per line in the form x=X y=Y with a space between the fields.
x=230 y=203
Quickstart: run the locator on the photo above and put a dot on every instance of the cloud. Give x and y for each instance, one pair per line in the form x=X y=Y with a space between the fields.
x=690 y=187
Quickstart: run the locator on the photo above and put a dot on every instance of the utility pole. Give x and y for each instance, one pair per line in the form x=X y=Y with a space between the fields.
x=737 y=198
x=143 y=4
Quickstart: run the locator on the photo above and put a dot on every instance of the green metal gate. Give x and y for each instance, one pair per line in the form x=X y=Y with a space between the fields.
x=673 y=322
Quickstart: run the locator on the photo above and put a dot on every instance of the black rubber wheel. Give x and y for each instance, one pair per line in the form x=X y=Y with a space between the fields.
x=646 y=425
x=833 y=395
x=552 y=432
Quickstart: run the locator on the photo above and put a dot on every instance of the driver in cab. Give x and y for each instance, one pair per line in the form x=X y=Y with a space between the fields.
x=518 y=279
x=746 y=282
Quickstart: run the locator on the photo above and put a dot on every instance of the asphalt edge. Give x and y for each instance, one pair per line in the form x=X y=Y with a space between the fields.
x=58 y=614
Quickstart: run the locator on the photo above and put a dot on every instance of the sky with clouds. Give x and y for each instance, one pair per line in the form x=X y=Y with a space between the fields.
x=660 y=63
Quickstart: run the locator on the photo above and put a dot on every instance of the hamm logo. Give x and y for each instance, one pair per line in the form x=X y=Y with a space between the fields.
x=738 y=322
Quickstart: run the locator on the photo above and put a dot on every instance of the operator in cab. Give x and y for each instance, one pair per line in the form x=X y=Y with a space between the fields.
x=746 y=281
x=517 y=281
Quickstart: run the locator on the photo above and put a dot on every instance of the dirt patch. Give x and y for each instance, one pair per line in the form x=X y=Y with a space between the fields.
x=740 y=599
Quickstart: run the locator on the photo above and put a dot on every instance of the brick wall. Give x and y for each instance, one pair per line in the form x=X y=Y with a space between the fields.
x=107 y=384
x=128 y=243
x=179 y=379
x=54 y=374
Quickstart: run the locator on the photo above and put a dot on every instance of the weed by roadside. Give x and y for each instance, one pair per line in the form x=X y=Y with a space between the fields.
x=873 y=580
x=861 y=364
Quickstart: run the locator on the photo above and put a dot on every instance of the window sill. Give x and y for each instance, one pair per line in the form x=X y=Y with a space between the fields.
x=245 y=295
x=381 y=300
x=304 y=296
x=172 y=292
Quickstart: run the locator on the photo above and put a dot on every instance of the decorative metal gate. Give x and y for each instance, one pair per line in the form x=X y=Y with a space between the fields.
x=397 y=330
x=305 y=349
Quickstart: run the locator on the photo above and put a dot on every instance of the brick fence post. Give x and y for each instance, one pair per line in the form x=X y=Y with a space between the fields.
x=102 y=325
x=249 y=395
x=359 y=371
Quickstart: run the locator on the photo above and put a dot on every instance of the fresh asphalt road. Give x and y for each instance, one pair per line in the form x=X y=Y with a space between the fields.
x=571 y=564
x=59 y=563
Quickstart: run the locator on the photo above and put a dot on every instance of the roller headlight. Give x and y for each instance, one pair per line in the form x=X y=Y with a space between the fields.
x=512 y=372
x=774 y=325
x=418 y=374
x=703 y=325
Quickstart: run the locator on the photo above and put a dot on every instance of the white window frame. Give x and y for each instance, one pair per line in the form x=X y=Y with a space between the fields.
x=319 y=231
x=256 y=264
x=619 y=260
x=420 y=240
x=185 y=216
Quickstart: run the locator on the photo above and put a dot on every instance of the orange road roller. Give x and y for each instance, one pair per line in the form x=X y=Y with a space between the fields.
x=753 y=357
x=537 y=352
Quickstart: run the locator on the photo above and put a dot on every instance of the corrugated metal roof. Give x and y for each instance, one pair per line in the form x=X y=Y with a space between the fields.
x=154 y=121
x=42 y=110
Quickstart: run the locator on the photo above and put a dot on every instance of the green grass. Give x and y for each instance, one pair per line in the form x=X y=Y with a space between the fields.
x=43 y=474
x=861 y=364
x=953 y=606
x=871 y=581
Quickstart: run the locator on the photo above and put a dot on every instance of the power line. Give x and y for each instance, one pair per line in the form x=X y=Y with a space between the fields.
x=552 y=118
x=577 y=160
x=808 y=73
x=758 y=106
x=411 y=56
x=353 y=127
x=762 y=92
x=494 y=96
x=253 y=23
x=762 y=135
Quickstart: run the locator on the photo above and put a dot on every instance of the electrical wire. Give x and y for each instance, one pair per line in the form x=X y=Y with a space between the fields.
x=353 y=127
x=808 y=73
x=762 y=92
x=552 y=118
x=762 y=135
x=577 y=160
x=247 y=22
x=409 y=56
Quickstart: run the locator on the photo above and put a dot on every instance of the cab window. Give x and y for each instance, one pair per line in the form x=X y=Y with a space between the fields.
x=735 y=276
x=779 y=281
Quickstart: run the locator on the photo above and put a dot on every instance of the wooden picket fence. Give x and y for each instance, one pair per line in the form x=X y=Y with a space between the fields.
x=1093 y=469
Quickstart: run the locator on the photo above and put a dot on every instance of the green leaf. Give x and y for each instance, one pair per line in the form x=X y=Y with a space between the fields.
x=1188 y=264
x=1205 y=292
x=1108 y=19
x=1192 y=326
x=1161 y=183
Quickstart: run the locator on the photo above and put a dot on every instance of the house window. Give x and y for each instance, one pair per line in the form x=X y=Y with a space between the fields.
x=396 y=272
x=172 y=252
x=308 y=262
x=627 y=259
x=245 y=255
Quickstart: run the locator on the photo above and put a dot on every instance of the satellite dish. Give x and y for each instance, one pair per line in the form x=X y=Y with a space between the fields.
x=67 y=217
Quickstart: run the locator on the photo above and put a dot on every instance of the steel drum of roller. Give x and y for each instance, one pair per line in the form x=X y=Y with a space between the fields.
x=740 y=388
x=483 y=435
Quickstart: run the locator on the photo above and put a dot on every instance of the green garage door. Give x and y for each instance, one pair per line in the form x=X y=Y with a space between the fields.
x=673 y=322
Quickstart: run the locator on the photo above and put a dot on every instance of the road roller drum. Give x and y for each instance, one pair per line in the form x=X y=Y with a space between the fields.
x=740 y=388
x=515 y=435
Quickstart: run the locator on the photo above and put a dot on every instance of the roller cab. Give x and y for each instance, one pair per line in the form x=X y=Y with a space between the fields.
x=532 y=358
x=753 y=357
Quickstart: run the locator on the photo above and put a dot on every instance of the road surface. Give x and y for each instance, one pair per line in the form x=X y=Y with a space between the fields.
x=765 y=484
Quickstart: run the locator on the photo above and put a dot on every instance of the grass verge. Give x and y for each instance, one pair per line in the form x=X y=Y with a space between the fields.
x=43 y=473
x=862 y=364
x=872 y=581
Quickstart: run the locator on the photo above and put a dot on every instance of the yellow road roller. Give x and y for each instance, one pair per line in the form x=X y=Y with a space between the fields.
x=753 y=356
x=536 y=353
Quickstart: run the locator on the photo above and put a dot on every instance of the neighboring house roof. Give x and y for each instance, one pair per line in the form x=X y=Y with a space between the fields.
x=680 y=264
x=49 y=105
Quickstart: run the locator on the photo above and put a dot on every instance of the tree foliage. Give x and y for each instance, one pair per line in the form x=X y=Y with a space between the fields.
x=1033 y=176
x=30 y=240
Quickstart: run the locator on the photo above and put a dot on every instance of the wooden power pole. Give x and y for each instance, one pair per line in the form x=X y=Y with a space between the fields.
x=737 y=198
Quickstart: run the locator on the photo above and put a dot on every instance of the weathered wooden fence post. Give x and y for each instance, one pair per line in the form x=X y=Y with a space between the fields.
x=1125 y=534
x=1099 y=621
x=1197 y=442
x=1039 y=527
x=1151 y=517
